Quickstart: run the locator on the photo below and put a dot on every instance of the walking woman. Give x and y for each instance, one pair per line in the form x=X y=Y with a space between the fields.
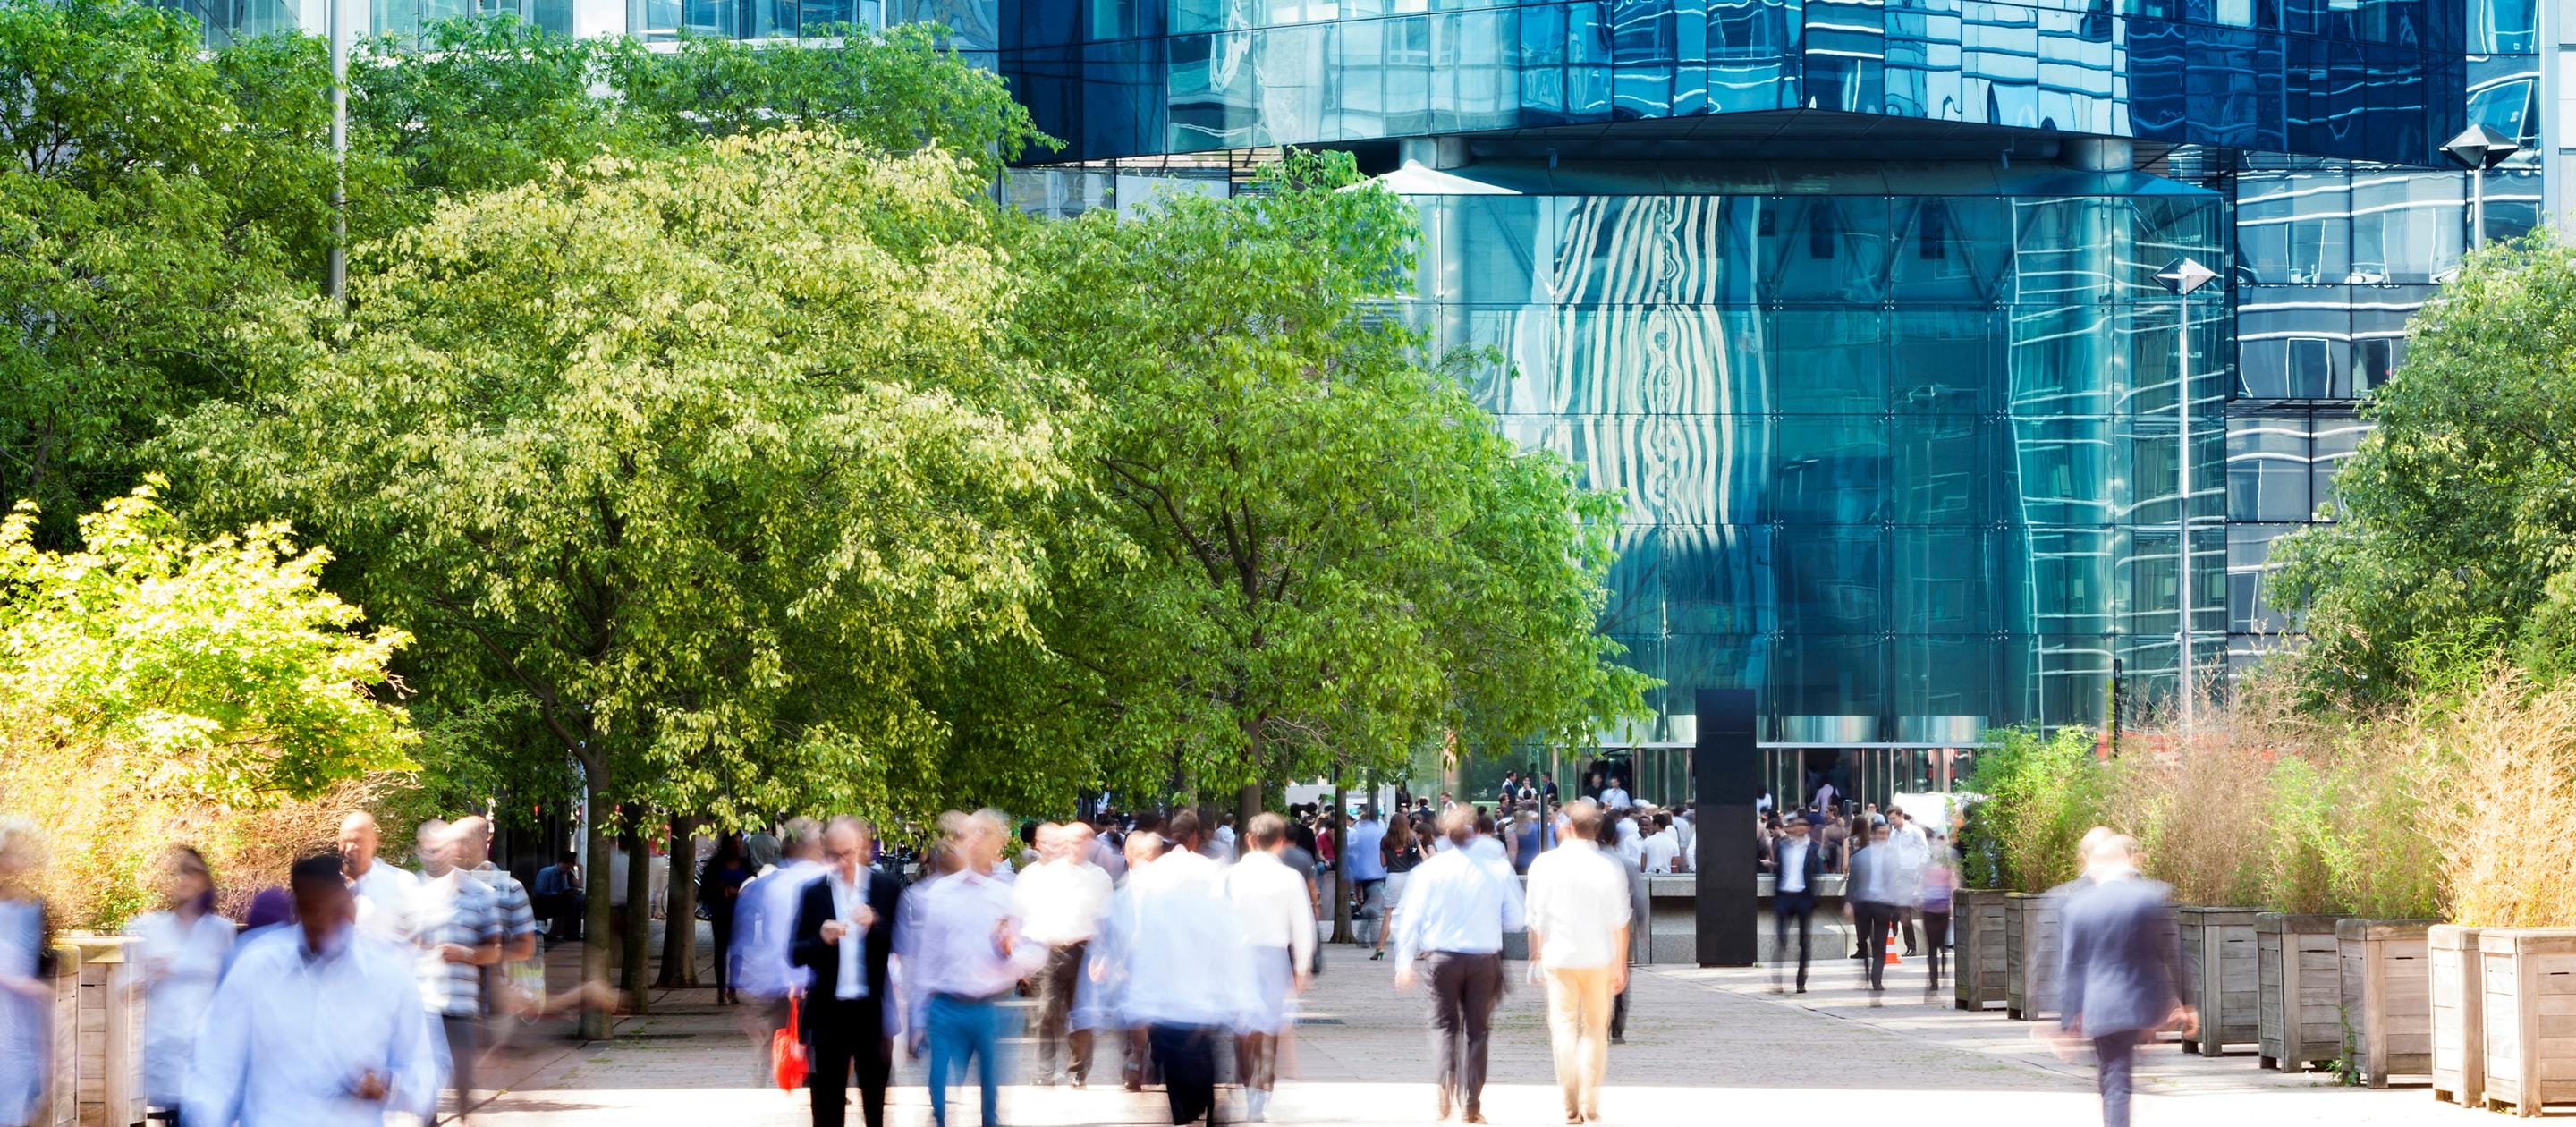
x=1403 y=849
x=719 y=886
x=26 y=977
x=184 y=947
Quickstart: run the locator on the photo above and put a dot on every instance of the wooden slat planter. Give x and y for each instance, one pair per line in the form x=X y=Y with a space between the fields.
x=59 y=1109
x=2299 y=1017
x=108 y=1071
x=1977 y=923
x=2527 y=981
x=2459 y=1035
x=2031 y=926
x=2387 y=990
x=2218 y=957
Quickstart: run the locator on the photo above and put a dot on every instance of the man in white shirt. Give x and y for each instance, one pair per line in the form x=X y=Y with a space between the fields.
x=1660 y=847
x=384 y=892
x=1910 y=850
x=315 y=1024
x=1456 y=910
x=1279 y=937
x=459 y=930
x=963 y=953
x=1578 y=940
x=1615 y=797
x=1187 y=974
x=1061 y=900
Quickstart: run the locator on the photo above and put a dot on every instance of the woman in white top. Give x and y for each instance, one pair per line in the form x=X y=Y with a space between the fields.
x=183 y=947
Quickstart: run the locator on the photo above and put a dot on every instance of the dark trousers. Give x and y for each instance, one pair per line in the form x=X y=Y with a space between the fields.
x=1464 y=988
x=1801 y=905
x=2116 y=1052
x=1187 y=1054
x=1905 y=917
x=1874 y=920
x=1056 y=1039
x=464 y=1049
x=1936 y=934
x=1619 y=1016
x=720 y=920
x=847 y=1037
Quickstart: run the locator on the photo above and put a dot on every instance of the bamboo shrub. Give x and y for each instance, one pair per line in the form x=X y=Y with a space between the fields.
x=2500 y=795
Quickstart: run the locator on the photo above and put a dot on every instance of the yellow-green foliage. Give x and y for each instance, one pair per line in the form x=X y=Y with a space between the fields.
x=156 y=688
x=2041 y=794
x=2499 y=795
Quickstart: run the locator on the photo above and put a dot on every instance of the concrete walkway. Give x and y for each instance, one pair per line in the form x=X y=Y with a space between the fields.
x=1702 y=1045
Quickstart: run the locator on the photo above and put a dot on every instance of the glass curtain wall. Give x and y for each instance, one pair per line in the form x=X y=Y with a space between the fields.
x=1901 y=459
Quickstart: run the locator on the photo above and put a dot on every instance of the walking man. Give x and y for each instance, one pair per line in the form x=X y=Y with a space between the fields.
x=1799 y=864
x=1060 y=901
x=384 y=892
x=844 y=931
x=963 y=954
x=1364 y=862
x=314 y=1023
x=1186 y=976
x=2121 y=968
x=460 y=932
x=764 y=935
x=1456 y=910
x=1869 y=902
x=1279 y=938
x=1578 y=946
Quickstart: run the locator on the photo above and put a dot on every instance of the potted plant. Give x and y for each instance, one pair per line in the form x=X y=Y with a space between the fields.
x=2042 y=793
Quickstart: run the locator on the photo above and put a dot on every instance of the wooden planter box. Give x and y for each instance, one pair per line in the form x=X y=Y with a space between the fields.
x=57 y=1108
x=2387 y=989
x=108 y=1065
x=2031 y=926
x=2219 y=961
x=2459 y=1035
x=1977 y=927
x=2527 y=981
x=2299 y=1016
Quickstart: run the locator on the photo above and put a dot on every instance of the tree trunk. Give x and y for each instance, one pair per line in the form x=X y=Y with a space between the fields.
x=1247 y=804
x=1341 y=864
x=595 y=1019
x=639 y=921
x=680 y=929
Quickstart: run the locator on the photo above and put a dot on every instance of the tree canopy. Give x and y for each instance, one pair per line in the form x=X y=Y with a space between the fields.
x=1312 y=546
x=2454 y=526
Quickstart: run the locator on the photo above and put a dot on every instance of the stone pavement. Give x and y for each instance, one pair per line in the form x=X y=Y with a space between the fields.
x=1701 y=1044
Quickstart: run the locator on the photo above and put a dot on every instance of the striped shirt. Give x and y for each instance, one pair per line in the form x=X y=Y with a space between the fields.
x=453 y=909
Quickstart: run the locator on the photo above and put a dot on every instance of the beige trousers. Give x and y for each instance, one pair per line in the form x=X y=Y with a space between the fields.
x=1578 y=1022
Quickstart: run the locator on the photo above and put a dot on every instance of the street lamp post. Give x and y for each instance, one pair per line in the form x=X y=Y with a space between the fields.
x=335 y=279
x=2478 y=149
x=2180 y=278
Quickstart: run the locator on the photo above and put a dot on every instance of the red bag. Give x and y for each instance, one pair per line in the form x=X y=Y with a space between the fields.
x=787 y=1061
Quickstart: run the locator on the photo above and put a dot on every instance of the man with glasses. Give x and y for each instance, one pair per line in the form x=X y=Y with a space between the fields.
x=844 y=933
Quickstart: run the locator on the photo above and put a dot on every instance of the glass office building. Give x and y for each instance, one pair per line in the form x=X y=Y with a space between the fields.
x=1851 y=300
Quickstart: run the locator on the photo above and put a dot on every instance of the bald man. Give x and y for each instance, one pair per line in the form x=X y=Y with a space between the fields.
x=385 y=893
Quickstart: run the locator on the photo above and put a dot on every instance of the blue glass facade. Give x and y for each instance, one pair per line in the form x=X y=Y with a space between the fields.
x=2377 y=80
x=1851 y=300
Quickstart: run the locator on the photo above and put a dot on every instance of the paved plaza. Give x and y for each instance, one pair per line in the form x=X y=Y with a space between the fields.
x=1702 y=1046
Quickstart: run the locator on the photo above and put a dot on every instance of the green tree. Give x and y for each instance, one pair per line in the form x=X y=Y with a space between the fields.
x=715 y=461
x=151 y=198
x=2455 y=523
x=222 y=662
x=1306 y=549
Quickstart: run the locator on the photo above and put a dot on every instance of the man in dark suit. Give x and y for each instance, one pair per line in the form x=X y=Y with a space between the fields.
x=844 y=932
x=1798 y=861
x=2121 y=968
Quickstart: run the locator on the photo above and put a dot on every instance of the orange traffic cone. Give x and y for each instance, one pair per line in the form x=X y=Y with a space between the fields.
x=1892 y=960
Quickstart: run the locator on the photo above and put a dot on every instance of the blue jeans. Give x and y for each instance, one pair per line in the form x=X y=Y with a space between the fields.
x=958 y=1028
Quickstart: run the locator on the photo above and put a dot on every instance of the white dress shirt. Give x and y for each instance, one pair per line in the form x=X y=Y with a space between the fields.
x=291 y=1030
x=385 y=907
x=1185 y=959
x=1615 y=797
x=1578 y=901
x=1061 y=901
x=847 y=897
x=1271 y=899
x=1792 y=853
x=182 y=962
x=1455 y=903
x=1632 y=847
x=948 y=945
x=764 y=927
x=1911 y=850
